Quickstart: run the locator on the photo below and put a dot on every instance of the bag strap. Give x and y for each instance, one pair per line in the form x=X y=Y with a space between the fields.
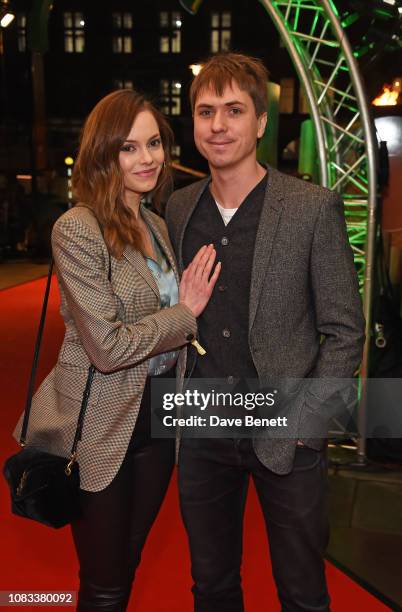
x=32 y=377
x=91 y=370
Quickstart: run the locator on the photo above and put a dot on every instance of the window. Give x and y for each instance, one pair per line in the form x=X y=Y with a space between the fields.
x=22 y=32
x=74 y=38
x=221 y=31
x=122 y=44
x=286 y=100
x=170 y=97
x=170 y=37
x=122 y=21
x=123 y=84
x=122 y=40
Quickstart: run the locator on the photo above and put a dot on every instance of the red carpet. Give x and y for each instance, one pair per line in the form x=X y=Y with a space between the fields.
x=37 y=558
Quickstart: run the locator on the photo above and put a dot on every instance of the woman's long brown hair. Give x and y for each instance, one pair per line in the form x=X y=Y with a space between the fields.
x=97 y=178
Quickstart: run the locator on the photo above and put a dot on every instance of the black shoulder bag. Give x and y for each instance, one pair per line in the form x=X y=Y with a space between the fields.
x=45 y=487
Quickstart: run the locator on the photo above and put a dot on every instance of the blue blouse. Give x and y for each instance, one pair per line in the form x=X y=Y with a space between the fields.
x=169 y=293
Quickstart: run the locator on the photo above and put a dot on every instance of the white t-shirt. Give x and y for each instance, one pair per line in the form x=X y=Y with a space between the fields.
x=226 y=213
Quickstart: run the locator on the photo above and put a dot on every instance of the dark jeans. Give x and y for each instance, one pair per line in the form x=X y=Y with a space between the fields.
x=111 y=533
x=213 y=481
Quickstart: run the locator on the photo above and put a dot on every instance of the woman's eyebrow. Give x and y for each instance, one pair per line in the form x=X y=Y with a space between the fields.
x=150 y=138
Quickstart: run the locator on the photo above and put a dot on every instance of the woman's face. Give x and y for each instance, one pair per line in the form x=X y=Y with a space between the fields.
x=141 y=156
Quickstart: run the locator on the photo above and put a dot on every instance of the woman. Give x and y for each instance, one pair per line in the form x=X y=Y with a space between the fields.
x=125 y=314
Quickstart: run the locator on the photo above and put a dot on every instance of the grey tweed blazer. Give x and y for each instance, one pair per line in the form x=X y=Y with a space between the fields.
x=115 y=326
x=303 y=289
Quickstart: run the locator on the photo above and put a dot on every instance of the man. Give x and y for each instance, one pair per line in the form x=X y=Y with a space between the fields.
x=286 y=304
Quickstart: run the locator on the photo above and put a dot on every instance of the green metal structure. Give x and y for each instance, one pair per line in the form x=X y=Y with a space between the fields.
x=313 y=34
x=346 y=144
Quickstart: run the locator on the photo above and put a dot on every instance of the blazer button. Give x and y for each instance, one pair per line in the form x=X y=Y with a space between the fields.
x=226 y=333
x=224 y=241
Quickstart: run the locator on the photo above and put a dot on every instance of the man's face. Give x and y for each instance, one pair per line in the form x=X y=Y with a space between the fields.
x=226 y=127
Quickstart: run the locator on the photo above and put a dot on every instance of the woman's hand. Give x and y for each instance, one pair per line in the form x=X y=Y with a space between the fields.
x=196 y=285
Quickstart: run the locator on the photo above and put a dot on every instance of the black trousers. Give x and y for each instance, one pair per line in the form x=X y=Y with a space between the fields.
x=115 y=522
x=213 y=480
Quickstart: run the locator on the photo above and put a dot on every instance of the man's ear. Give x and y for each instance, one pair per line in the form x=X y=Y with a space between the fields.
x=262 y=122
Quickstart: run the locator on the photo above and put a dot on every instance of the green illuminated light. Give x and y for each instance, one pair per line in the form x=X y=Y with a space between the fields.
x=335 y=10
x=310 y=36
x=349 y=20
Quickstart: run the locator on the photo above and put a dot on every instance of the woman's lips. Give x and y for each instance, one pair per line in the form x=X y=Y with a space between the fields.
x=145 y=173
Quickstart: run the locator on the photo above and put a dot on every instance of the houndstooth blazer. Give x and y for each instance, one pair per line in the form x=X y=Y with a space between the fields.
x=117 y=326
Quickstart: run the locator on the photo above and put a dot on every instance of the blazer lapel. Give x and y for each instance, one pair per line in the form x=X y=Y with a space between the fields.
x=267 y=227
x=137 y=260
x=163 y=239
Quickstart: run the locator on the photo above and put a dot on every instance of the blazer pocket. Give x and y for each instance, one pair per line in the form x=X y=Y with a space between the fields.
x=74 y=355
x=71 y=383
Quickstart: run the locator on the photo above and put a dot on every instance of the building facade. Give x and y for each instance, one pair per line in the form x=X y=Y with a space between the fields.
x=94 y=48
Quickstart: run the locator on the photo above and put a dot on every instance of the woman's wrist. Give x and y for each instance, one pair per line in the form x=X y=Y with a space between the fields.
x=188 y=308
